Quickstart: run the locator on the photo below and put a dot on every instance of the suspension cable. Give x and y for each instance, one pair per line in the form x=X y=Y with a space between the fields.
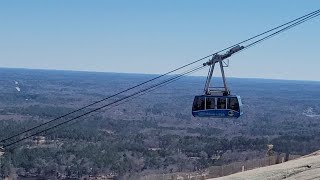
x=139 y=95
x=96 y=109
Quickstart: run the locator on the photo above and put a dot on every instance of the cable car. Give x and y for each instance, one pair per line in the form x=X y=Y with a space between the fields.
x=217 y=106
x=217 y=102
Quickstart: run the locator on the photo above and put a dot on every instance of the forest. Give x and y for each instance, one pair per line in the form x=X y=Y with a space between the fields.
x=153 y=133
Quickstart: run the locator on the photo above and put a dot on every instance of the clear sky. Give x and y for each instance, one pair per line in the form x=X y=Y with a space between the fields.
x=149 y=36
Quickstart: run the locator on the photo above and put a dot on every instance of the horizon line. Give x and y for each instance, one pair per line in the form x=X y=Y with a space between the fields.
x=139 y=73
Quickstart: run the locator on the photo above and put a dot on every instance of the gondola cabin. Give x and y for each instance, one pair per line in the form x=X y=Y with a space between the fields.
x=217 y=106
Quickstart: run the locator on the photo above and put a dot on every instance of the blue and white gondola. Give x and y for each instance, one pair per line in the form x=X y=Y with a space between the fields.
x=217 y=102
x=217 y=106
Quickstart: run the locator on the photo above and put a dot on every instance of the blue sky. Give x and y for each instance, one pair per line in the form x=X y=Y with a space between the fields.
x=145 y=36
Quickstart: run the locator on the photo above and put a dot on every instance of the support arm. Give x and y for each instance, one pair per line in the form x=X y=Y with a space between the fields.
x=217 y=58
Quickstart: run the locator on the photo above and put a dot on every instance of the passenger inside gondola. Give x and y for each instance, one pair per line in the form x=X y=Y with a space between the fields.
x=210 y=103
x=221 y=103
x=233 y=104
x=199 y=104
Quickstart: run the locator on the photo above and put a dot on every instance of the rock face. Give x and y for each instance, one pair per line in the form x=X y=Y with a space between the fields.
x=306 y=167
